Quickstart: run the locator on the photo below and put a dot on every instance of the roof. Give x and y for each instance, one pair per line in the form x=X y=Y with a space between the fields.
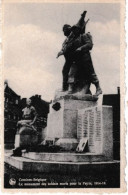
x=9 y=91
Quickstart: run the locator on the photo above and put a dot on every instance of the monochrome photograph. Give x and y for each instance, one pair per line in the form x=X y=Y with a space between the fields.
x=62 y=95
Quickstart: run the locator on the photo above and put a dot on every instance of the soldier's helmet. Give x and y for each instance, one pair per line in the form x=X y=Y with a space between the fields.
x=75 y=26
x=66 y=26
x=67 y=29
x=76 y=29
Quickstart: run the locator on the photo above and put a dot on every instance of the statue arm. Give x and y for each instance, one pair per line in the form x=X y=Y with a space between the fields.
x=88 y=44
x=66 y=45
x=34 y=120
x=61 y=52
x=35 y=116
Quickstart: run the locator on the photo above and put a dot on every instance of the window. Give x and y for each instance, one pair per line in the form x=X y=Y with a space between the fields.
x=16 y=101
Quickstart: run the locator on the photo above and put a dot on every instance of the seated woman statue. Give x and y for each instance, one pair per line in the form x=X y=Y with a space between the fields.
x=29 y=116
x=26 y=135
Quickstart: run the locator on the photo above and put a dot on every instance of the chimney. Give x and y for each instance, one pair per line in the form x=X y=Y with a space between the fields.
x=5 y=83
x=118 y=90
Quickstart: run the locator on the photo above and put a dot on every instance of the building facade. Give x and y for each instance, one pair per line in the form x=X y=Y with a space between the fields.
x=114 y=101
x=12 y=114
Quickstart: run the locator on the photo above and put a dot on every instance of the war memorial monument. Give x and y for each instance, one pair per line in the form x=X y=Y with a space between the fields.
x=79 y=130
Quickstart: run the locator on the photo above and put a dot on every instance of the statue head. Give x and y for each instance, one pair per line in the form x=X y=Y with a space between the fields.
x=28 y=102
x=67 y=30
x=76 y=29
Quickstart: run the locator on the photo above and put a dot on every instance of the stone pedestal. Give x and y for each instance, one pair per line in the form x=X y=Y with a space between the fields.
x=62 y=124
x=26 y=137
x=71 y=120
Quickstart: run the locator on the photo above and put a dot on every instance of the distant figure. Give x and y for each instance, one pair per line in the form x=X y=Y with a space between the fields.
x=29 y=116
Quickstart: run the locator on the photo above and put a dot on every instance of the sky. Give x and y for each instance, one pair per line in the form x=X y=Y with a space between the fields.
x=33 y=36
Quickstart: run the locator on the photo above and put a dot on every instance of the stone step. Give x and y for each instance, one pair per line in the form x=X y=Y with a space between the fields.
x=28 y=165
x=64 y=157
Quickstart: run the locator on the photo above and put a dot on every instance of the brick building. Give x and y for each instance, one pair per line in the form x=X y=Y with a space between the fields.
x=11 y=114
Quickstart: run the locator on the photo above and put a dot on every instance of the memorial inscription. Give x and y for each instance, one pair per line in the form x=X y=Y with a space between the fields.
x=89 y=125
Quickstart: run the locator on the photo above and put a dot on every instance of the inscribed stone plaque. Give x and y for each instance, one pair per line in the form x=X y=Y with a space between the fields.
x=90 y=126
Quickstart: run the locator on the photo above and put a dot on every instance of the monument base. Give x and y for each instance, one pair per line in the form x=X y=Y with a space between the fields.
x=67 y=167
x=25 y=140
x=65 y=156
x=26 y=137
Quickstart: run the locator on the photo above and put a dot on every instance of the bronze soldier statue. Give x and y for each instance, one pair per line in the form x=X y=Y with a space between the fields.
x=82 y=72
x=67 y=65
x=67 y=52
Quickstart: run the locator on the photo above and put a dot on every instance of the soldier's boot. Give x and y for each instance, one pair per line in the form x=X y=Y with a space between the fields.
x=71 y=88
x=98 y=89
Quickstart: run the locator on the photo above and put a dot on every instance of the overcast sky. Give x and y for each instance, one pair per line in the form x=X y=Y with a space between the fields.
x=33 y=36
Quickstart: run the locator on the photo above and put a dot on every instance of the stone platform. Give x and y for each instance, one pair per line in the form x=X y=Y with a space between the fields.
x=64 y=157
x=29 y=165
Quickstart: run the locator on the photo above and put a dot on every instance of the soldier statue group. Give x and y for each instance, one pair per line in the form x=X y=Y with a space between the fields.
x=78 y=71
